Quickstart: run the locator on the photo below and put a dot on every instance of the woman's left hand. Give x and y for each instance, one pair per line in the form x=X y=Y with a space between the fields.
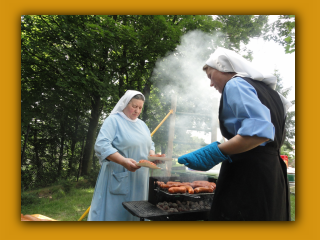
x=130 y=164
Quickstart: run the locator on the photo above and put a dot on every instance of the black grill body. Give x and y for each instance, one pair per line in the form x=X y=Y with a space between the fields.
x=149 y=210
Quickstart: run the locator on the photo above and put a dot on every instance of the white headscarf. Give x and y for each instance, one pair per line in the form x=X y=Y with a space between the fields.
x=123 y=102
x=225 y=60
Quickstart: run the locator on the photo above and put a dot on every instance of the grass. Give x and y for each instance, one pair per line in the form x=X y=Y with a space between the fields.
x=293 y=207
x=59 y=205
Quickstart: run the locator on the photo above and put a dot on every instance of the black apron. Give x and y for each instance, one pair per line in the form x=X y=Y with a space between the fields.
x=254 y=187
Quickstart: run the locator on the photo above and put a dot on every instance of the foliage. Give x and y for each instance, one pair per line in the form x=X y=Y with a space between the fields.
x=29 y=198
x=282 y=31
x=91 y=178
x=59 y=194
x=290 y=153
x=66 y=185
x=290 y=119
x=240 y=28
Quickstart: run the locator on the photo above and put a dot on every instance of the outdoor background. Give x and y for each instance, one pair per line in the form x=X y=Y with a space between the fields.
x=75 y=68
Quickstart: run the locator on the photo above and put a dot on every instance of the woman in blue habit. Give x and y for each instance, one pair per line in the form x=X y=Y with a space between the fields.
x=252 y=183
x=123 y=141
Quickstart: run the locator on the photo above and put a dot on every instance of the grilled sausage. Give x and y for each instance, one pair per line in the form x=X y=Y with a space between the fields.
x=163 y=185
x=203 y=184
x=146 y=161
x=203 y=190
x=189 y=189
x=159 y=183
x=174 y=190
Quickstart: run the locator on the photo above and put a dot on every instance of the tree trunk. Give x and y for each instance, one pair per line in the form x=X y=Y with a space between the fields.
x=80 y=162
x=25 y=144
x=36 y=151
x=93 y=124
x=60 y=156
x=146 y=93
x=73 y=146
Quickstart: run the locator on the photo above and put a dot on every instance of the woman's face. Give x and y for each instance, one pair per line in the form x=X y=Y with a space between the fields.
x=218 y=79
x=133 y=109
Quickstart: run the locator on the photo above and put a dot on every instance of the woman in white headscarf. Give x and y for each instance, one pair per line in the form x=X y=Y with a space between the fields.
x=252 y=183
x=123 y=140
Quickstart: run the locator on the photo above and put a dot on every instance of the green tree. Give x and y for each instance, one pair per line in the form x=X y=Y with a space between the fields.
x=290 y=119
x=282 y=31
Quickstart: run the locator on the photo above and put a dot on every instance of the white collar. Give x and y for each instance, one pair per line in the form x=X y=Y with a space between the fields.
x=125 y=117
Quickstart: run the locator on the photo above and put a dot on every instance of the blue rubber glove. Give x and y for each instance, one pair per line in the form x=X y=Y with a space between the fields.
x=204 y=158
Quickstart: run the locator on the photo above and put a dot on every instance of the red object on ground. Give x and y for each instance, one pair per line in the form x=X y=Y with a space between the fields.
x=285 y=159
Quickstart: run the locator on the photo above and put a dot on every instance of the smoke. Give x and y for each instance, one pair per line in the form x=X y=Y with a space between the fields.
x=180 y=73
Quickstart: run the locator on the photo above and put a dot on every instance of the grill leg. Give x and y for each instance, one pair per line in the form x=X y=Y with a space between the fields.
x=141 y=219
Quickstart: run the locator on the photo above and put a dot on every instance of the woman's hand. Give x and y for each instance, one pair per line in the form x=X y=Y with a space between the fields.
x=151 y=152
x=130 y=164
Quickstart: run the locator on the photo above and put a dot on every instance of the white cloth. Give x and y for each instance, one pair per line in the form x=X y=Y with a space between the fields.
x=124 y=100
x=225 y=60
x=125 y=117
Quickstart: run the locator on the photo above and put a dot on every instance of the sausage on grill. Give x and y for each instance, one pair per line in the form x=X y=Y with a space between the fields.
x=174 y=190
x=203 y=190
x=189 y=189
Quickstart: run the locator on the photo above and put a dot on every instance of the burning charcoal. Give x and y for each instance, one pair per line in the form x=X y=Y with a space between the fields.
x=207 y=207
x=160 y=207
x=170 y=204
x=201 y=203
x=160 y=204
x=178 y=202
x=175 y=210
x=166 y=207
x=180 y=209
x=171 y=210
x=174 y=205
x=183 y=209
x=165 y=203
x=184 y=203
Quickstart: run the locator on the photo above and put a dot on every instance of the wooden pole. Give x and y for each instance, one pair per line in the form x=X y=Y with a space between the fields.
x=170 y=112
x=171 y=133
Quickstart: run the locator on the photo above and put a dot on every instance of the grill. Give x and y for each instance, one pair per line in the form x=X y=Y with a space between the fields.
x=149 y=210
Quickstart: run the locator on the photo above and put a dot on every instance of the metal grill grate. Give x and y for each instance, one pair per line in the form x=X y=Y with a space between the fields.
x=143 y=209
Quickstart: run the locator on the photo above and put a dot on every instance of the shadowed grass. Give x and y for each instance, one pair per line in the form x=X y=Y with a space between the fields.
x=61 y=206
